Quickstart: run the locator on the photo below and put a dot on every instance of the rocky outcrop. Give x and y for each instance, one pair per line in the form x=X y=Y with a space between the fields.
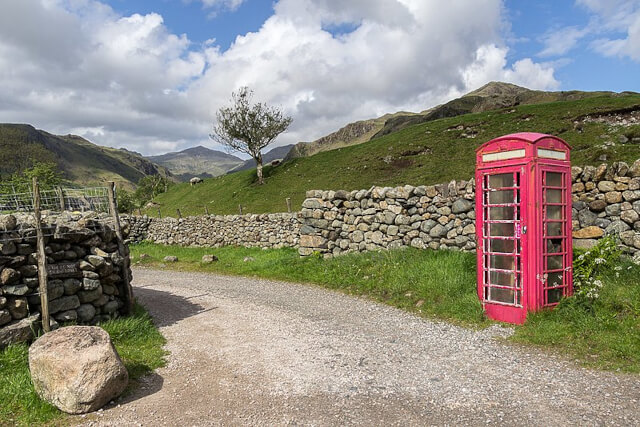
x=77 y=369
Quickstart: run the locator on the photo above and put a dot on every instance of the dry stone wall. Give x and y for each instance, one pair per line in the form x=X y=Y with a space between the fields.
x=86 y=271
x=266 y=231
x=437 y=217
x=605 y=201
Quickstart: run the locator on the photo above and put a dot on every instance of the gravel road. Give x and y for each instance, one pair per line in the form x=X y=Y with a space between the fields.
x=251 y=351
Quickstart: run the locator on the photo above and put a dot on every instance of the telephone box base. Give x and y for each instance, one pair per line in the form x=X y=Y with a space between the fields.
x=506 y=314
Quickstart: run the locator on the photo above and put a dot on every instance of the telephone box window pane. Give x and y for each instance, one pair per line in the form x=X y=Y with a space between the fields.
x=499 y=197
x=502 y=279
x=554 y=246
x=554 y=196
x=502 y=262
x=554 y=212
x=501 y=230
x=502 y=295
x=554 y=279
x=501 y=180
x=501 y=212
x=554 y=229
x=554 y=295
x=554 y=262
x=554 y=179
x=501 y=246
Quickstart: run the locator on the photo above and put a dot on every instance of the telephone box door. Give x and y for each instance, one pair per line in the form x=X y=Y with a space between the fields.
x=556 y=251
x=501 y=281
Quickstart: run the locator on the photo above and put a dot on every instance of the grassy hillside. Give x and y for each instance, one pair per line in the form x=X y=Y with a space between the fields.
x=80 y=161
x=427 y=153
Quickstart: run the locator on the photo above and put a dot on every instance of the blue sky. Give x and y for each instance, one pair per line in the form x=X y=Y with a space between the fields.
x=150 y=75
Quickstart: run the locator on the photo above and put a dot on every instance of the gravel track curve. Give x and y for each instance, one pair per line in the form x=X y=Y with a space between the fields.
x=247 y=351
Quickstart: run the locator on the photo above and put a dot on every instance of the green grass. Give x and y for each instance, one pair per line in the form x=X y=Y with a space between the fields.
x=139 y=344
x=441 y=284
x=424 y=154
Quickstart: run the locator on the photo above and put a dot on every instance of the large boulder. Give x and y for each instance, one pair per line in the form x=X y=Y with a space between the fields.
x=77 y=369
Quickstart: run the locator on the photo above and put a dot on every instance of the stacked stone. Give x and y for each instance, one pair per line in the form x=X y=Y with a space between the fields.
x=138 y=227
x=88 y=284
x=606 y=201
x=436 y=217
x=265 y=231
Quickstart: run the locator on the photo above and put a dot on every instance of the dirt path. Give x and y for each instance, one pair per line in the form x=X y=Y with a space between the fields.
x=250 y=351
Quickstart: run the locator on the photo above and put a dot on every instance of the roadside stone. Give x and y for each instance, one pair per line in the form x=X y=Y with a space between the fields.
x=170 y=258
x=77 y=369
x=209 y=258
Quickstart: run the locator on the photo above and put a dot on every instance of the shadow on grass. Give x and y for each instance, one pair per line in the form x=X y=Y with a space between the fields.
x=165 y=308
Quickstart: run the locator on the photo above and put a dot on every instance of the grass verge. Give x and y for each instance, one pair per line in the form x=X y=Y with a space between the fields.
x=604 y=334
x=136 y=338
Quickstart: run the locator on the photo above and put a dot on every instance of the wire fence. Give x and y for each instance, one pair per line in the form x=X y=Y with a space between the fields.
x=94 y=199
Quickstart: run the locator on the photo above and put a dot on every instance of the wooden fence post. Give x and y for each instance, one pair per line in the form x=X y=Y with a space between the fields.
x=240 y=209
x=206 y=210
x=179 y=214
x=289 y=204
x=61 y=197
x=111 y=189
x=159 y=214
x=139 y=212
x=42 y=260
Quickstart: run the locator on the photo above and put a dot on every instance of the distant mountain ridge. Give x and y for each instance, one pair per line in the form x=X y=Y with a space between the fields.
x=197 y=161
x=277 y=153
x=492 y=96
x=80 y=161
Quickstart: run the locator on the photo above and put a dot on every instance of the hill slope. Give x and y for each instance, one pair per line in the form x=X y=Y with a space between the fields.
x=278 y=153
x=489 y=97
x=428 y=153
x=197 y=161
x=80 y=161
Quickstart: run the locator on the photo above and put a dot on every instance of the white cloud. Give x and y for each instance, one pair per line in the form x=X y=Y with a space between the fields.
x=127 y=81
x=559 y=41
x=616 y=16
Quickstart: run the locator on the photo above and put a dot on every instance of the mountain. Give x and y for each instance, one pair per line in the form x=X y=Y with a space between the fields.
x=80 y=161
x=278 y=153
x=197 y=161
x=600 y=127
x=489 y=97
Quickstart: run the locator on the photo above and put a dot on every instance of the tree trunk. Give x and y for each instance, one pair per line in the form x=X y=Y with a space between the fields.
x=258 y=159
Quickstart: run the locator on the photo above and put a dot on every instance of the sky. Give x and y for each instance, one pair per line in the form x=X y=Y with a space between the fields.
x=149 y=75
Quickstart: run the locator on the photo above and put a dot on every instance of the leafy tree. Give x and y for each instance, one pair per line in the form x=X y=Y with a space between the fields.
x=126 y=201
x=149 y=187
x=47 y=174
x=248 y=127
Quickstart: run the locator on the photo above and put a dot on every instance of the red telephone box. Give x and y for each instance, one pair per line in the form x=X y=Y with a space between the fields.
x=523 y=224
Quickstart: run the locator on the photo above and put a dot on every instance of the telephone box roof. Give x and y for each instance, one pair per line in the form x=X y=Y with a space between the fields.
x=530 y=137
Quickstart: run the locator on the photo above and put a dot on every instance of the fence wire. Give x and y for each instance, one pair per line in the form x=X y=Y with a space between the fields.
x=94 y=199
